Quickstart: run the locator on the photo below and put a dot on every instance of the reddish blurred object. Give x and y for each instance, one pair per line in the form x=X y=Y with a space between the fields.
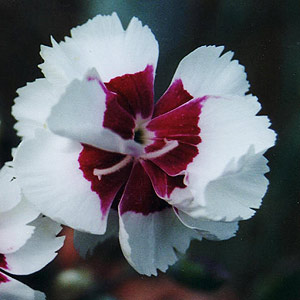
x=165 y=289
x=68 y=256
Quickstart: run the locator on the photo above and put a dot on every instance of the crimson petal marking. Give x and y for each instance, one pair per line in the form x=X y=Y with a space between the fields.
x=135 y=92
x=175 y=96
x=139 y=195
x=3 y=278
x=97 y=158
x=109 y=184
x=180 y=124
x=157 y=144
x=176 y=161
x=181 y=121
x=117 y=118
x=3 y=263
x=163 y=184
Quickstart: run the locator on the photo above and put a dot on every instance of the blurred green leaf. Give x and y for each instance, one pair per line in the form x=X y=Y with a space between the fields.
x=279 y=287
x=195 y=275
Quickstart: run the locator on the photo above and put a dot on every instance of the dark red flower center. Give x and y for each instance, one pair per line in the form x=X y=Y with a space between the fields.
x=169 y=133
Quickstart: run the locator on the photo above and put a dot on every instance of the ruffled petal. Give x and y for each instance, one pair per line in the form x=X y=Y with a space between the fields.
x=33 y=106
x=205 y=72
x=101 y=43
x=233 y=195
x=238 y=190
x=11 y=289
x=149 y=242
x=85 y=243
x=229 y=127
x=39 y=250
x=211 y=230
x=49 y=174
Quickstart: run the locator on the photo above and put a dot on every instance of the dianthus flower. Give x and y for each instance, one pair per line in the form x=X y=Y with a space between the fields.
x=28 y=241
x=94 y=143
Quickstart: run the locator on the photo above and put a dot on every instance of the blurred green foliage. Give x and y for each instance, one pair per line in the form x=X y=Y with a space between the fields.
x=196 y=275
x=279 y=287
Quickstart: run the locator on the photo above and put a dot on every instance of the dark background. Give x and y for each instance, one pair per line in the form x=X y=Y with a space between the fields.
x=262 y=261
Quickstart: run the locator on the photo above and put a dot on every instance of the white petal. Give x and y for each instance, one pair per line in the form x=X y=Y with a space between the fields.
x=79 y=115
x=39 y=250
x=32 y=107
x=229 y=127
x=48 y=171
x=150 y=242
x=234 y=193
x=204 y=72
x=180 y=198
x=14 y=231
x=85 y=243
x=14 y=237
x=10 y=193
x=211 y=230
x=22 y=214
x=15 y=290
x=103 y=44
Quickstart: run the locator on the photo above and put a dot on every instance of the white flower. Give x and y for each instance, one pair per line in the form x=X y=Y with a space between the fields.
x=27 y=242
x=94 y=144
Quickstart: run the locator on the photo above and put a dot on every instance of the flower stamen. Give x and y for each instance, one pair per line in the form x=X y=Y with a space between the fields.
x=114 y=168
x=170 y=145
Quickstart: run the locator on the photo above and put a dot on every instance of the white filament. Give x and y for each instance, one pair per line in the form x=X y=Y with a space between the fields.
x=116 y=167
x=169 y=147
